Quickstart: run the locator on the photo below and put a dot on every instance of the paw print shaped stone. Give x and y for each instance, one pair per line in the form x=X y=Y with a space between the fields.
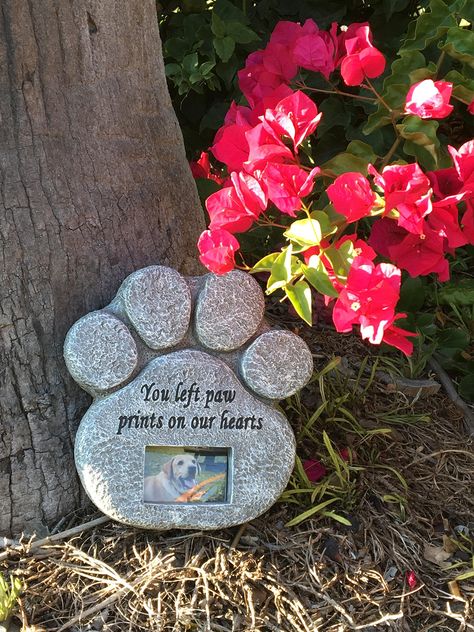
x=184 y=429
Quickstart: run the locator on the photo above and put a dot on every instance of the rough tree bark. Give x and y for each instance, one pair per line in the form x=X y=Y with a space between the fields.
x=94 y=184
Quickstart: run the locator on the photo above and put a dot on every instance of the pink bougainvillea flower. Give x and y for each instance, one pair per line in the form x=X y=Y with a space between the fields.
x=422 y=254
x=235 y=208
x=270 y=101
x=351 y=195
x=295 y=116
x=286 y=33
x=316 y=50
x=470 y=107
x=429 y=99
x=446 y=185
x=362 y=59
x=217 y=250
x=278 y=60
x=231 y=146
x=368 y=300
x=419 y=255
x=255 y=81
x=287 y=184
x=240 y=115
x=226 y=211
x=314 y=470
x=463 y=159
x=202 y=168
x=444 y=221
x=398 y=337
x=265 y=146
x=406 y=189
x=384 y=234
x=412 y=579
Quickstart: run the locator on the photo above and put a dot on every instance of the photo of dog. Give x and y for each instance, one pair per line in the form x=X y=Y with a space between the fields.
x=183 y=475
x=177 y=476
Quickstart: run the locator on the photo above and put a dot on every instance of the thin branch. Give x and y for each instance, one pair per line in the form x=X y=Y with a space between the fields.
x=36 y=544
x=453 y=395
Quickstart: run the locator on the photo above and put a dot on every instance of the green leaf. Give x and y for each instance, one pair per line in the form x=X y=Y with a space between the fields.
x=356 y=158
x=301 y=299
x=337 y=517
x=419 y=131
x=465 y=576
x=224 y=47
x=206 y=67
x=317 y=275
x=412 y=295
x=463 y=87
x=451 y=341
x=431 y=25
x=265 y=264
x=340 y=260
x=457 y=293
x=218 y=25
x=241 y=33
x=190 y=63
x=305 y=232
x=460 y=45
x=334 y=114
x=466 y=390
x=310 y=512
x=172 y=69
x=228 y=12
x=176 y=47
x=281 y=271
x=426 y=155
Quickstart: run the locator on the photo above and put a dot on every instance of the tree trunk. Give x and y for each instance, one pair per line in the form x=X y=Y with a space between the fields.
x=94 y=184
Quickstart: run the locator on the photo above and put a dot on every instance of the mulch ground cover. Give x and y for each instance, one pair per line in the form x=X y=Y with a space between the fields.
x=409 y=498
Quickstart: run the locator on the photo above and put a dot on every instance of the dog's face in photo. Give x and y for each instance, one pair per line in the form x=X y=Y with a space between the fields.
x=182 y=470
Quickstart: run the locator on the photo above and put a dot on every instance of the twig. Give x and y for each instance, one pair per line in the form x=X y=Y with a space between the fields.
x=36 y=544
x=453 y=395
x=238 y=535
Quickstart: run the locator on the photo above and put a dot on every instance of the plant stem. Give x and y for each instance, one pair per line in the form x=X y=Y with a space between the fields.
x=339 y=92
x=379 y=97
x=391 y=151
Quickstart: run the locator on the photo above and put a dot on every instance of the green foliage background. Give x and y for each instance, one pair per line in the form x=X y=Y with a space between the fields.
x=206 y=43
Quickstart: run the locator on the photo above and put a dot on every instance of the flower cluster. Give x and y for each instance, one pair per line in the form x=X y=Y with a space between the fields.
x=415 y=220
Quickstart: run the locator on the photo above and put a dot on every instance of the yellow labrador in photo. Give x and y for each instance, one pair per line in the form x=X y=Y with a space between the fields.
x=177 y=476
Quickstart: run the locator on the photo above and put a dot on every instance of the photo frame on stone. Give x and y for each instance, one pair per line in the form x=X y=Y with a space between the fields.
x=178 y=474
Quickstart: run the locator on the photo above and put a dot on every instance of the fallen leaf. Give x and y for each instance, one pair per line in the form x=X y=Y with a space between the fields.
x=436 y=554
x=448 y=545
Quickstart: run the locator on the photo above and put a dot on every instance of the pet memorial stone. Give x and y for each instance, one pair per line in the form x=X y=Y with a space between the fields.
x=185 y=373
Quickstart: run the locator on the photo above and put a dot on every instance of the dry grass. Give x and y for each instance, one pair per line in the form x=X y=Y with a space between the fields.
x=319 y=576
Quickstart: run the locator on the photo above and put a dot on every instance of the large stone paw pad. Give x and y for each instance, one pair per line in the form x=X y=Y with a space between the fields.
x=176 y=361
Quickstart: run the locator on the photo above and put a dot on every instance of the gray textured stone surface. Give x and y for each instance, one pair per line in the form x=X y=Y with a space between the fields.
x=157 y=300
x=100 y=352
x=105 y=354
x=277 y=364
x=229 y=311
x=111 y=465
